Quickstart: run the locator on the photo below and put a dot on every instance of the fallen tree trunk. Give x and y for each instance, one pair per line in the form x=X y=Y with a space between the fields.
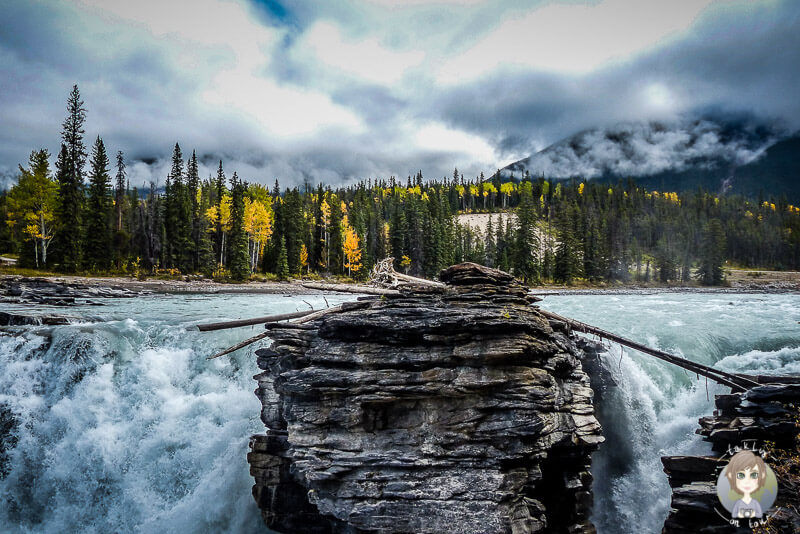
x=735 y=382
x=414 y=280
x=346 y=288
x=238 y=346
x=317 y=315
x=250 y=322
x=307 y=317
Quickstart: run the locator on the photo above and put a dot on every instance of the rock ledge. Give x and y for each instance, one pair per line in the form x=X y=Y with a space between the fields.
x=453 y=409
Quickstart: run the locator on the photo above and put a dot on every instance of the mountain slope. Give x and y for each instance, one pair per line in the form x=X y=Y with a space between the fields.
x=742 y=158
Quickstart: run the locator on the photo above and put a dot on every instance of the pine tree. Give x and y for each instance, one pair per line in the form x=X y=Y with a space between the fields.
x=239 y=259
x=99 y=211
x=70 y=183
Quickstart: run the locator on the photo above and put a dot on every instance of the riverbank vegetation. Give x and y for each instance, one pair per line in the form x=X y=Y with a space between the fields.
x=84 y=216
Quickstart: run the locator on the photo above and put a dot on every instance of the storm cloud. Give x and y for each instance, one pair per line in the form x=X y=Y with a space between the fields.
x=342 y=91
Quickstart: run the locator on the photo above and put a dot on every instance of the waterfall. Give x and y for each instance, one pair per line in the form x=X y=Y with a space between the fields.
x=119 y=423
x=651 y=409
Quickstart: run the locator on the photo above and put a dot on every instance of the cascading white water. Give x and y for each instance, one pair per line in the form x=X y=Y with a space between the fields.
x=118 y=423
x=654 y=409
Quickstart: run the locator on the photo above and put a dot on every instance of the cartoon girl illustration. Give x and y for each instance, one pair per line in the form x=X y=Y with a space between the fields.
x=746 y=474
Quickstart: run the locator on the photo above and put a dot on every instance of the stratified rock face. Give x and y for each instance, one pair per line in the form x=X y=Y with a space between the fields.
x=440 y=410
x=763 y=415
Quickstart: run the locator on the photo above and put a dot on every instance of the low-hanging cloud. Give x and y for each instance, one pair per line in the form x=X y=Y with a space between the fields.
x=646 y=149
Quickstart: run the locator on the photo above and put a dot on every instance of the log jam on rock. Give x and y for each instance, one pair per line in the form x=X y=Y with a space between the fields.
x=452 y=409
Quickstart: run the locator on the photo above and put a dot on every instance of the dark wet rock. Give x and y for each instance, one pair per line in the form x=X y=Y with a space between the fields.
x=431 y=411
x=764 y=416
x=55 y=292
x=13 y=319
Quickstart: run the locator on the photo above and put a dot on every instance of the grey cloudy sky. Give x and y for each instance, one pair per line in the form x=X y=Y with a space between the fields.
x=344 y=90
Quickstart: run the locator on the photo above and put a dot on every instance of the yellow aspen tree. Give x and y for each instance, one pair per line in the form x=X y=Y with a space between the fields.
x=488 y=189
x=506 y=189
x=304 y=258
x=473 y=192
x=32 y=202
x=223 y=217
x=461 y=193
x=352 y=251
x=263 y=227
x=258 y=227
x=405 y=263
x=325 y=208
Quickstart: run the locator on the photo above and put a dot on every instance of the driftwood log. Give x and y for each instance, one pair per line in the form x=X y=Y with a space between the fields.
x=383 y=274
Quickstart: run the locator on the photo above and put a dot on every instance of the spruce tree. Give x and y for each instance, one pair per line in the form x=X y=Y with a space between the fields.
x=292 y=223
x=204 y=251
x=220 y=189
x=239 y=258
x=71 y=161
x=179 y=219
x=491 y=245
x=336 y=237
x=399 y=232
x=121 y=207
x=665 y=259
x=195 y=236
x=567 y=260
x=282 y=269
x=712 y=254
x=119 y=191
x=526 y=240
x=99 y=211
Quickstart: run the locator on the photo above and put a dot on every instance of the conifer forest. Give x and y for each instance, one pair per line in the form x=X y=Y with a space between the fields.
x=80 y=214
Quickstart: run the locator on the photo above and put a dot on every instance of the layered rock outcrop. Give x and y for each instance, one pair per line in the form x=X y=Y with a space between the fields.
x=455 y=409
x=23 y=290
x=765 y=417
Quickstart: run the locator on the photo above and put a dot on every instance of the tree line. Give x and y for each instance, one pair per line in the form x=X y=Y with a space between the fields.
x=83 y=216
